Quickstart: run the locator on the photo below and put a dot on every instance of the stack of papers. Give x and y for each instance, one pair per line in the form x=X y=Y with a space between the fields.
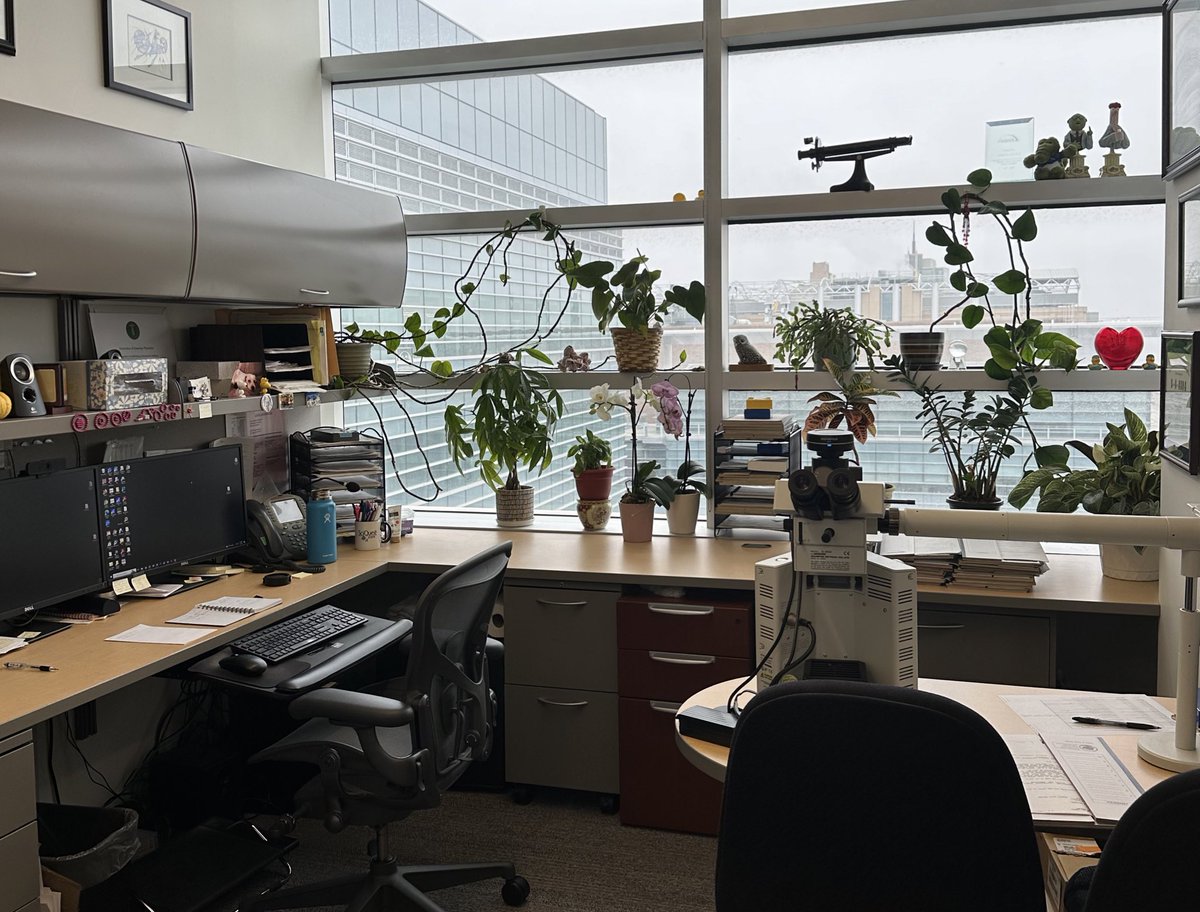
x=933 y=558
x=971 y=563
x=758 y=428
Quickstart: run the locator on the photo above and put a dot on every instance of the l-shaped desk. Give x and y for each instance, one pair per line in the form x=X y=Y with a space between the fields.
x=1066 y=624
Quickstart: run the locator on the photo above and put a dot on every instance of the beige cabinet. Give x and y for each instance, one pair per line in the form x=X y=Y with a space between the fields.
x=20 y=878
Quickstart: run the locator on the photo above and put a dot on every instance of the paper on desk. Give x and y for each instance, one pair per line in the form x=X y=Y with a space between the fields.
x=171 y=636
x=8 y=644
x=1050 y=716
x=122 y=587
x=1101 y=779
x=1052 y=798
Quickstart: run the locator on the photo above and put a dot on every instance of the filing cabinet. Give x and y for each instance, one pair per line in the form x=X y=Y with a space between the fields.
x=667 y=650
x=20 y=879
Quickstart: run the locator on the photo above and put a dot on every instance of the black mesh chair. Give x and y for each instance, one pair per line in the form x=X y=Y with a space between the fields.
x=865 y=797
x=1149 y=861
x=385 y=754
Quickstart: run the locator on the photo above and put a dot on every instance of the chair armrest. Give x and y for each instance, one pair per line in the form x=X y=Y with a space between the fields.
x=358 y=710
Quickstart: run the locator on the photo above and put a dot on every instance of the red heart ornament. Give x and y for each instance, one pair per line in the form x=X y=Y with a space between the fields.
x=1118 y=350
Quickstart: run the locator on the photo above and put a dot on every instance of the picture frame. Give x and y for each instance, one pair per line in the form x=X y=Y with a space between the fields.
x=8 y=28
x=148 y=50
x=1181 y=100
x=1189 y=248
x=1179 y=419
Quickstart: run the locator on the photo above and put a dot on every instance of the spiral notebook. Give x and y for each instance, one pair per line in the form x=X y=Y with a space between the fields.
x=226 y=610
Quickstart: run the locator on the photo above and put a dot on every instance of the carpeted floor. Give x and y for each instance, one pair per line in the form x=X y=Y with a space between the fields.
x=575 y=858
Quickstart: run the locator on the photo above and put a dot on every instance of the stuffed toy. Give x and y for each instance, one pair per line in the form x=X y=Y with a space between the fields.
x=1049 y=160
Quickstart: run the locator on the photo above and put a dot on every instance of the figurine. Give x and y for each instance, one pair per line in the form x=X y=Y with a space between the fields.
x=1048 y=159
x=1080 y=138
x=1150 y=364
x=199 y=389
x=678 y=198
x=573 y=361
x=242 y=384
x=264 y=386
x=1114 y=139
x=747 y=353
x=1095 y=364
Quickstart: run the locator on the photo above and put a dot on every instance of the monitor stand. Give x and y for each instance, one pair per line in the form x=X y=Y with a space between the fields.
x=41 y=629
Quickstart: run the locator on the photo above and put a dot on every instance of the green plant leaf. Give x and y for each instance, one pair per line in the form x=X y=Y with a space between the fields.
x=423 y=352
x=442 y=368
x=980 y=177
x=977 y=290
x=1025 y=227
x=994 y=370
x=467 y=288
x=1055 y=455
x=538 y=355
x=1042 y=398
x=412 y=322
x=1002 y=356
x=994 y=207
x=958 y=280
x=1011 y=282
x=971 y=315
x=937 y=234
x=957 y=254
x=952 y=200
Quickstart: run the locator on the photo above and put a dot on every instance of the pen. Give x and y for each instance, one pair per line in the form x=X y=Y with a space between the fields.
x=31 y=667
x=1088 y=720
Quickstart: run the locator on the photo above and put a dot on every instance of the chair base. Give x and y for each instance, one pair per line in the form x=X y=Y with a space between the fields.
x=404 y=885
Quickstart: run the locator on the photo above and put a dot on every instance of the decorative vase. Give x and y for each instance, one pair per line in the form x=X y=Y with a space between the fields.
x=922 y=350
x=957 y=503
x=683 y=513
x=636 y=352
x=637 y=521
x=514 y=508
x=1124 y=562
x=354 y=359
x=593 y=514
x=1118 y=350
x=594 y=484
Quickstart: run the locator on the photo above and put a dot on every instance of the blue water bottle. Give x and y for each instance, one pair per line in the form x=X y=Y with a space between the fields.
x=322 y=528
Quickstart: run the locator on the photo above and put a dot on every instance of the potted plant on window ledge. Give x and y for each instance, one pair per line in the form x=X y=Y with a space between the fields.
x=826 y=335
x=593 y=473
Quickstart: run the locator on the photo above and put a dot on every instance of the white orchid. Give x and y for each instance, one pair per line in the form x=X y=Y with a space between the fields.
x=602 y=400
x=638 y=393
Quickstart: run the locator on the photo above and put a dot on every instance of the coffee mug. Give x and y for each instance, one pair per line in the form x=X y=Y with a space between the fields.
x=367 y=535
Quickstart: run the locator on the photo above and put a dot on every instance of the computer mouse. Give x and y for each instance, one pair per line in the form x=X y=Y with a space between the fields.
x=244 y=664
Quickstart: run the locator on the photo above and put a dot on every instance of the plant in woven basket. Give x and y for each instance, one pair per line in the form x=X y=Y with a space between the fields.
x=851 y=405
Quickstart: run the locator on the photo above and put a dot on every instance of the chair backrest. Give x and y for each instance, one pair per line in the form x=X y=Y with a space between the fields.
x=1150 y=860
x=446 y=682
x=844 y=795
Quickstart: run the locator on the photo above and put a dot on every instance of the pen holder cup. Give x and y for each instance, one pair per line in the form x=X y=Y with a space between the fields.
x=367 y=535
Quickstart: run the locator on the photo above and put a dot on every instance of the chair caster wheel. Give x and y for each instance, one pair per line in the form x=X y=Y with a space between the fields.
x=522 y=795
x=609 y=804
x=515 y=891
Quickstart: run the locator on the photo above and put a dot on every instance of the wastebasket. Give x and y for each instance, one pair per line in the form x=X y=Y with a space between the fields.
x=86 y=844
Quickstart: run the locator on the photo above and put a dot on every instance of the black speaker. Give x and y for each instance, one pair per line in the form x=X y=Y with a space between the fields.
x=17 y=379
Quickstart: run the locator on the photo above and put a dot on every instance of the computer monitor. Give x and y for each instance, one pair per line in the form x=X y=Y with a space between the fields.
x=49 y=540
x=161 y=511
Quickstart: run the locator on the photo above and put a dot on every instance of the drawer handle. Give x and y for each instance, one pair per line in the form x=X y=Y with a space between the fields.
x=941 y=626
x=31 y=274
x=316 y=291
x=578 y=704
x=696 y=610
x=678 y=658
x=671 y=708
x=550 y=604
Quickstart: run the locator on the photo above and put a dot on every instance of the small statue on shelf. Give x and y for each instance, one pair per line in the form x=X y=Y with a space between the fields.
x=1150 y=364
x=746 y=352
x=1114 y=139
x=1095 y=364
x=1049 y=160
x=573 y=361
x=1082 y=140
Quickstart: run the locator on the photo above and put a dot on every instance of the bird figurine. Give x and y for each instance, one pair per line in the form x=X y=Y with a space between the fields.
x=1114 y=139
x=746 y=352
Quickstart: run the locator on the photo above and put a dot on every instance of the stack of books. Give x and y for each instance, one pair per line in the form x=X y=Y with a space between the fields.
x=753 y=452
x=772 y=428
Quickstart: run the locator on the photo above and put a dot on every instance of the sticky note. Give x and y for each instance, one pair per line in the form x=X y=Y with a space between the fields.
x=122 y=587
x=205 y=410
x=140 y=582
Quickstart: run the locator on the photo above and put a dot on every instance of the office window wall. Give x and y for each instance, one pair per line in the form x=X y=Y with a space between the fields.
x=633 y=124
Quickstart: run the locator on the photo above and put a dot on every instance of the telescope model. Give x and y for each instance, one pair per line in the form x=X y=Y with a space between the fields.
x=829 y=608
x=857 y=152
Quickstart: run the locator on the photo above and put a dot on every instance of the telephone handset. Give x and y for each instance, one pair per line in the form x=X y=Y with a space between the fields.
x=277 y=528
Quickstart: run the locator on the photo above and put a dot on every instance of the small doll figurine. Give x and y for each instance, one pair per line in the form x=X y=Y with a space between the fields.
x=1095 y=364
x=242 y=384
x=1150 y=364
x=264 y=386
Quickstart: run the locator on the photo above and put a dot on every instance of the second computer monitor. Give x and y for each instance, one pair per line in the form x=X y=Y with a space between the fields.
x=161 y=511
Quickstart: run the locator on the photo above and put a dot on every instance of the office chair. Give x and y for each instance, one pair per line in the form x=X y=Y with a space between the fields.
x=844 y=795
x=383 y=755
x=1149 y=861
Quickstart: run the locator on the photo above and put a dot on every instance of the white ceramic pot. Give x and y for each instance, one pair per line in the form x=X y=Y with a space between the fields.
x=683 y=512
x=1124 y=562
x=514 y=508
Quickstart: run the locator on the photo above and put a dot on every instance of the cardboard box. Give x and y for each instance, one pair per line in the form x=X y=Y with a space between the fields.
x=117 y=383
x=1058 y=867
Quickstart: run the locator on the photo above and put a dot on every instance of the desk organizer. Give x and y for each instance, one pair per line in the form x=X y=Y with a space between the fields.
x=359 y=459
x=118 y=383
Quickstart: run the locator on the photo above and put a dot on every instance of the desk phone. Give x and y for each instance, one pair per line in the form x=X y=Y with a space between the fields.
x=277 y=527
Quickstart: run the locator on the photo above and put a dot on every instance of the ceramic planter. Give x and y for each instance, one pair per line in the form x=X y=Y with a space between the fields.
x=1124 y=562
x=922 y=350
x=514 y=508
x=637 y=521
x=593 y=514
x=594 y=484
x=636 y=352
x=956 y=503
x=683 y=513
x=354 y=359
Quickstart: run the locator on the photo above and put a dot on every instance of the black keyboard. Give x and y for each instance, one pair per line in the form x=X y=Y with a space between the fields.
x=296 y=634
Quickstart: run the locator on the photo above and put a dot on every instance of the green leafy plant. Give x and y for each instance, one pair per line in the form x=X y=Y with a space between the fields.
x=590 y=452
x=824 y=334
x=628 y=298
x=513 y=415
x=1125 y=479
x=851 y=405
x=974 y=438
x=685 y=478
x=643 y=485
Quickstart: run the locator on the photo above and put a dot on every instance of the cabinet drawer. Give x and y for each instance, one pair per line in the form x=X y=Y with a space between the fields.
x=17 y=776
x=991 y=648
x=656 y=675
x=20 y=873
x=680 y=625
x=561 y=637
x=562 y=738
x=659 y=788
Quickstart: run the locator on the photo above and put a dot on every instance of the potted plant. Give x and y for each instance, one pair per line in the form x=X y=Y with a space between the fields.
x=827 y=334
x=851 y=405
x=684 y=509
x=643 y=489
x=513 y=414
x=593 y=473
x=1125 y=481
x=628 y=299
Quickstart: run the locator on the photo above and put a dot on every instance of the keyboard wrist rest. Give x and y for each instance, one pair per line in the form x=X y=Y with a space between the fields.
x=347 y=658
x=346 y=707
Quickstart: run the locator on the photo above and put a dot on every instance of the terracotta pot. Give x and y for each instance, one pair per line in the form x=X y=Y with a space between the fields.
x=958 y=504
x=594 y=484
x=1124 y=562
x=683 y=513
x=593 y=514
x=354 y=359
x=637 y=521
x=514 y=508
x=636 y=352
x=922 y=350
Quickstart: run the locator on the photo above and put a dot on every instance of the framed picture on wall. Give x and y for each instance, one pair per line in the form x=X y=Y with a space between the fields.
x=1181 y=61
x=1189 y=248
x=1179 y=419
x=148 y=50
x=8 y=39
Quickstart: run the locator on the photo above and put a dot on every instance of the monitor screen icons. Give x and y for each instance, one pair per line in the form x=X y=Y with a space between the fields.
x=114 y=516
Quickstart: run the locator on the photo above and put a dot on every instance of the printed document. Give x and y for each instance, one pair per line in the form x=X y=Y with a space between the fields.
x=170 y=636
x=1050 y=715
x=1052 y=798
x=1102 y=780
